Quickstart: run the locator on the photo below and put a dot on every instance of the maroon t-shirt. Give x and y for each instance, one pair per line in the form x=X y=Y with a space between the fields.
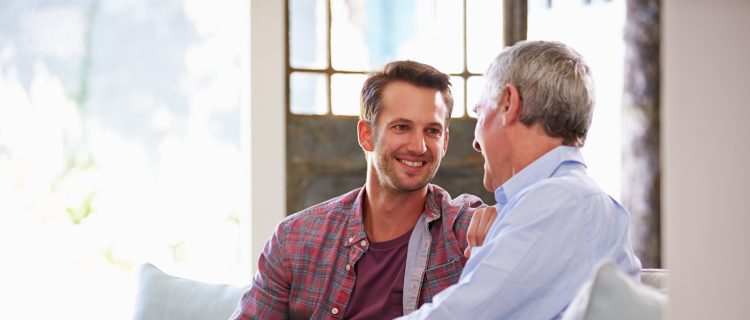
x=379 y=288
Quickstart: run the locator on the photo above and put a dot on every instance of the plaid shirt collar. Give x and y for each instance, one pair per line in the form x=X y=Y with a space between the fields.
x=356 y=226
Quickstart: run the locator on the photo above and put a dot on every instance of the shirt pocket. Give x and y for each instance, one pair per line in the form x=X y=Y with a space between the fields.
x=441 y=276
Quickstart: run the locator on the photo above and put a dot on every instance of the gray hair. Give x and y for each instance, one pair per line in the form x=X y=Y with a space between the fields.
x=554 y=84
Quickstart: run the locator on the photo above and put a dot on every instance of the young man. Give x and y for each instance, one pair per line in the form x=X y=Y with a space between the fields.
x=554 y=224
x=382 y=250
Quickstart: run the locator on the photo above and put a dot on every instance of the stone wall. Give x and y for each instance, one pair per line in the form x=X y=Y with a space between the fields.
x=324 y=160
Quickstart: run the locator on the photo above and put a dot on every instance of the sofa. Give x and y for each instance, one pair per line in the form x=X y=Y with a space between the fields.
x=656 y=278
x=609 y=295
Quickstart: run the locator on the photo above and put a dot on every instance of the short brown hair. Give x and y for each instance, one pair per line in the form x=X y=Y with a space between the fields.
x=418 y=74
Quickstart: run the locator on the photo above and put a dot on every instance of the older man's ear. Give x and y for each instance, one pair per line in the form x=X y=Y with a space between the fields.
x=511 y=104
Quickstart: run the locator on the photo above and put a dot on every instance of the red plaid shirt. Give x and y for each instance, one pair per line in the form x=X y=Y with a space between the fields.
x=306 y=268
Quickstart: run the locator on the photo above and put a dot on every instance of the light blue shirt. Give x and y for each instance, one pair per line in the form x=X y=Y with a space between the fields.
x=554 y=225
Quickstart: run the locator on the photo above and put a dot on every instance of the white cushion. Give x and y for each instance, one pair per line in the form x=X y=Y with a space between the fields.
x=162 y=296
x=613 y=295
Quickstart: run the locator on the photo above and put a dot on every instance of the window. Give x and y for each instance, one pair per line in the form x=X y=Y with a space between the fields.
x=598 y=36
x=120 y=143
x=333 y=44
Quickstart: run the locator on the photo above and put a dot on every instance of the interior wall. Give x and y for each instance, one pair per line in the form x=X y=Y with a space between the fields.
x=706 y=126
x=266 y=117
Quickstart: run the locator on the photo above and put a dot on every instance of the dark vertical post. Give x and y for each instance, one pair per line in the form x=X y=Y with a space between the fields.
x=641 y=155
x=514 y=21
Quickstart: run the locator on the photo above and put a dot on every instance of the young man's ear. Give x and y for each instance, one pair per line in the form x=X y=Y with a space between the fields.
x=445 y=144
x=511 y=103
x=364 y=136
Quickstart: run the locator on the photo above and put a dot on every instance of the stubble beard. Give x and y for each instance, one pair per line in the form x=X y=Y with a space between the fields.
x=392 y=182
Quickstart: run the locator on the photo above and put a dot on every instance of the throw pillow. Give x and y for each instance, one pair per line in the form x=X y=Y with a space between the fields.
x=163 y=296
x=613 y=295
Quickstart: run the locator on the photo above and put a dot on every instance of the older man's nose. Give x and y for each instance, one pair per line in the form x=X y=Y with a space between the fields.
x=476 y=145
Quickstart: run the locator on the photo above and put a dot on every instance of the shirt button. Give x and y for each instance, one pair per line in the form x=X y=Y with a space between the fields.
x=348 y=267
x=351 y=239
x=335 y=310
x=363 y=243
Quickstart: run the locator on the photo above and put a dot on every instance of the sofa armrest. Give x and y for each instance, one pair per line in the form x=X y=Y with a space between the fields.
x=656 y=278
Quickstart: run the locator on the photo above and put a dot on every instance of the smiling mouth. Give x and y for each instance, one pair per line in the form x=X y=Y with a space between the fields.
x=413 y=164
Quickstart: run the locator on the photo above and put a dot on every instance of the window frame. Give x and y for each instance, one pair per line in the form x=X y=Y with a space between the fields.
x=514 y=29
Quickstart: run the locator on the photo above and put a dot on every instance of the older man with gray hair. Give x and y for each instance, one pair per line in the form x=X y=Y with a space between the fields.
x=554 y=223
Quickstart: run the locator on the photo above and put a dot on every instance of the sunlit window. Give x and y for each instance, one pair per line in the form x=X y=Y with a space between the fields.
x=119 y=144
x=598 y=35
x=333 y=44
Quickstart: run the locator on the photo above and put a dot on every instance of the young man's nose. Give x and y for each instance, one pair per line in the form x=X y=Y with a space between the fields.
x=417 y=144
x=476 y=145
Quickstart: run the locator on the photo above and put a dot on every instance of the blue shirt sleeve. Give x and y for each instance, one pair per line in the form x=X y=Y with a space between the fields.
x=536 y=256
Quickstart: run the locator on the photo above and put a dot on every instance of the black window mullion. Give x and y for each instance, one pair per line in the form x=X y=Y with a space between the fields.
x=465 y=72
x=329 y=69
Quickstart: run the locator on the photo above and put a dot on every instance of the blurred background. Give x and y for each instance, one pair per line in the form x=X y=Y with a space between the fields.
x=180 y=132
x=120 y=143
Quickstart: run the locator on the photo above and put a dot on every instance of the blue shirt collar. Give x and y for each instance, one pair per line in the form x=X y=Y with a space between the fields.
x=541 y=168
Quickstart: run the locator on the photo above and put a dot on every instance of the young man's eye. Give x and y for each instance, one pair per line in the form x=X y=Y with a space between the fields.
x=433 y=131
x=401 y=127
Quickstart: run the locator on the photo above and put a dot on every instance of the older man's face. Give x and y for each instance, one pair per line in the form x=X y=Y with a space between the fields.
x=491 y=139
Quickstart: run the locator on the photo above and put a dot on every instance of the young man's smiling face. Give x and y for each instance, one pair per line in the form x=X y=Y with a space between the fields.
x=408 y=139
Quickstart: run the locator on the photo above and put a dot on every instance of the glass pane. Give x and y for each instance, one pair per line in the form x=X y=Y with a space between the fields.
x=484 y=33
x=457 y=87
x=345 y=89
x=308 y=93
x=121 y=142
x=365 y=35
x=308 y=32
x=474 y=88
